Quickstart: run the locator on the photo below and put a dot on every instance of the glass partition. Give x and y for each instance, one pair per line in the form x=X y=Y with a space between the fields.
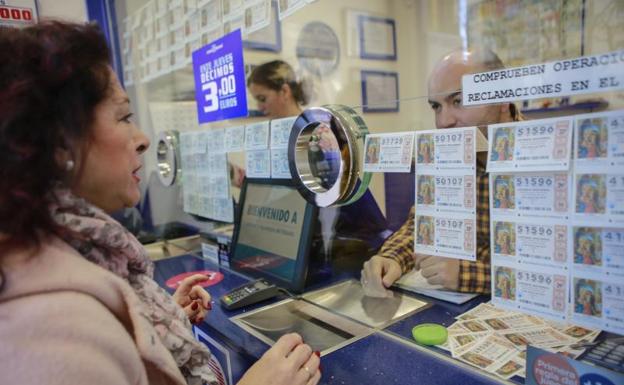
x=332 y=85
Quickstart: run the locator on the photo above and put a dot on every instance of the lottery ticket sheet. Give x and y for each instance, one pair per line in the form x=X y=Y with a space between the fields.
x=529 y=263
x=445 y=193
x=257 y=136
x=530 y=209
x=388 y=152
x=596 y=240
x=280 y=135
x=206 y=182
x=533 y=145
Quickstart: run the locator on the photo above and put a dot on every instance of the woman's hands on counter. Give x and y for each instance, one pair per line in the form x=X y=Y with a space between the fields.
x=288 y=362
x=193 y=298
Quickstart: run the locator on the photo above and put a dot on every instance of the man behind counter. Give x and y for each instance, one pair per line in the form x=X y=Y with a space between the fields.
x=396 y=256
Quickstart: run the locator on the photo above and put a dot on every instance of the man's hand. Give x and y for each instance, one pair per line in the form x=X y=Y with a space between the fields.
x=378 y=275
x=439 y=270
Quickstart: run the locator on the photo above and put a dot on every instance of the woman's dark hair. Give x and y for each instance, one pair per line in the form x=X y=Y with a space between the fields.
x=274 y=75
x=52 y=77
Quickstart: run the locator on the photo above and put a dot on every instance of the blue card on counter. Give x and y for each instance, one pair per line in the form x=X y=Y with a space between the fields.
x=219 y=72
x=545 y=368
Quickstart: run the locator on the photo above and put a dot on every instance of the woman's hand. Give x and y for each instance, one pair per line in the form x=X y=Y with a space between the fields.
x=193 y=298
x=288 y=362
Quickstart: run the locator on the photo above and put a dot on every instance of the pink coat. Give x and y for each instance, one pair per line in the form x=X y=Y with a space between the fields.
x=65 y=320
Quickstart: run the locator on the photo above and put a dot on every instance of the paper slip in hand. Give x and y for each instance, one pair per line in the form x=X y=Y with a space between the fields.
x=415 y=282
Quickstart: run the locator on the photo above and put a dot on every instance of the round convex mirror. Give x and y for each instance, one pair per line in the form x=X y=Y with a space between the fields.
x=167 y=157
x=324 y=155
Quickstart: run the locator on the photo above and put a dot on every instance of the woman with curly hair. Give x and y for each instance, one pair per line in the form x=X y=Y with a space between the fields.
x=78 y=303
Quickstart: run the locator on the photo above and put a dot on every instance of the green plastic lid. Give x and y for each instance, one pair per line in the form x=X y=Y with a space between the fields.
x=430 y=334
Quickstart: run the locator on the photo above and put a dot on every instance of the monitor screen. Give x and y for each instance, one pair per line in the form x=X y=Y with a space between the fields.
x=274 y=232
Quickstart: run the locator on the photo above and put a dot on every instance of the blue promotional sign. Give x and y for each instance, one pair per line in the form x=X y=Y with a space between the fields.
x=220 y=79
x=545 y=368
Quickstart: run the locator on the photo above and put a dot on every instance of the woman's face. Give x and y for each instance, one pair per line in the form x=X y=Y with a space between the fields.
x=273 y=104
x=109 y=176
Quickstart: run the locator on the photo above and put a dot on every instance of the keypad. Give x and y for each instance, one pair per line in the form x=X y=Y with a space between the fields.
x=608 y=353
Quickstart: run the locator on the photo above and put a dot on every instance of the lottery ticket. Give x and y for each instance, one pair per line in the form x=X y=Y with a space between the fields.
x=599 y=141
x=543 y=337
x=215 y=140
x=258 y=163
x=257 y=136
x=445 y=193
x=512 y=322
x=447 y=236
x=510 y=368
x=473 y=326
x=599 y=198
x=450 y=149
x=534 y=145
x=531 y=195
x=234 y=139
x=538 y=291
x=528 y=243
x=280 y=132
x=460 y=343
x=598 y=302
x=257 y=16
x=483 y=310
x=597 y=250
x=488 y=353
x=388 y=152
x=217 y=165
x=279 y=164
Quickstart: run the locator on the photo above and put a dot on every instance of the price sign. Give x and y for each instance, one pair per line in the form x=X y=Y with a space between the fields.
x=18 y=13
x=220 y=79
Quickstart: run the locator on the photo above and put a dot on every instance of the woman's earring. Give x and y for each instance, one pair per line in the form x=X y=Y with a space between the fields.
x=69 y=165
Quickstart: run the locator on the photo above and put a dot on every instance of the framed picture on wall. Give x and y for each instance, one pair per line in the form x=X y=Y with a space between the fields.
x=268 y=38
x=380 y=91
x=377 y=38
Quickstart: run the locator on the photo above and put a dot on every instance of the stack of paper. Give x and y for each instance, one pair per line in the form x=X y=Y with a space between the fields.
x=495 y=340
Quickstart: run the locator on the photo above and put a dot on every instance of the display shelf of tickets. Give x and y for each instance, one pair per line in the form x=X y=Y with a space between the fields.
x=216 y=244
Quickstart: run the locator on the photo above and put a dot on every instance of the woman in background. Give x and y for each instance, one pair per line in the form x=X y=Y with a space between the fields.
x=77 y=299
x=275 y=87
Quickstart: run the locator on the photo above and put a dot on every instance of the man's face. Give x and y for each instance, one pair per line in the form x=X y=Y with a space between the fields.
x=445 y=97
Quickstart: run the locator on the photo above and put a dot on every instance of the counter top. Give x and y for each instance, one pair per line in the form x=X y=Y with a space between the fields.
x=386 y=356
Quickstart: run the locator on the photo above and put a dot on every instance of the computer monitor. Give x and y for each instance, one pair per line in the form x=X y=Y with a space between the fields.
x=274 y=232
